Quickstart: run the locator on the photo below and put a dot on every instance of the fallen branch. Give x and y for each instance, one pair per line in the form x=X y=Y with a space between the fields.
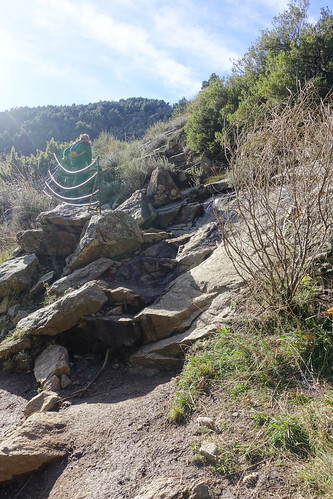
x=86 y=388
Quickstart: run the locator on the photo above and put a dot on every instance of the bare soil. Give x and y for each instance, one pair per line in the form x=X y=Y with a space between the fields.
x=119 y=440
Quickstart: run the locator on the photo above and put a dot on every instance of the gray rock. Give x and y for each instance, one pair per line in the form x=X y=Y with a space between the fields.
x=43 y=402
x=196 y=303
x=81 y=276
x=52 y=361
x=116 y=332
x=37 y=441
x=65 y=215
x=16 y=274
x=44 y=242
x=162 y=488
x=139 y=207
x=39 y=287
x=161 y=188
x=65 y=313
x=210 y=451
x=219 y=186
x=109 y=235
x=14 y=345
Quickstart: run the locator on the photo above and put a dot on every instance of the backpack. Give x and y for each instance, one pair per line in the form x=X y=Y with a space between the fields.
x=74 y=149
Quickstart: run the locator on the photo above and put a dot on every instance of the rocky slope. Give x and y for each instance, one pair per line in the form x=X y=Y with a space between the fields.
x=134 y=286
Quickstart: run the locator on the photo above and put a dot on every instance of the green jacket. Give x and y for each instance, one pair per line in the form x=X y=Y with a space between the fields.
x=80 y=153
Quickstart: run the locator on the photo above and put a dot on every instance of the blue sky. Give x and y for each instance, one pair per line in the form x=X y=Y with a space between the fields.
x=76 y=52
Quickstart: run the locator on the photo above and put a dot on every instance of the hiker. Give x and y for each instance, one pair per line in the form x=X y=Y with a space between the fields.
x=79 y=152
x=77 y=156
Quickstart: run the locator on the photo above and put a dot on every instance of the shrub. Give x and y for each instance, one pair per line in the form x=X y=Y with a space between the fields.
x=281 y=216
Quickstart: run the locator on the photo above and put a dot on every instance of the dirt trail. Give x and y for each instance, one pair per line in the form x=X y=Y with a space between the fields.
x=119 y=440
x=118 y=436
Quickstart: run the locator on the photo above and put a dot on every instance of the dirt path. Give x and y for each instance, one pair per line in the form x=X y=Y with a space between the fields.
x=118 y=436
x=119 y=440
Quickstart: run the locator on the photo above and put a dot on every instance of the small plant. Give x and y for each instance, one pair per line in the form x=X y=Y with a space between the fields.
x=288 y=434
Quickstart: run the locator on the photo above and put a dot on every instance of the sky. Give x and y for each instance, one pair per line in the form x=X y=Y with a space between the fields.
x=64 y=52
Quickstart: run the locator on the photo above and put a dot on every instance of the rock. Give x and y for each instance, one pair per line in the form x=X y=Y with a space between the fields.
x=65 y=313
x=162 y=488
x=81 y=276
x=161 y=188
x=152 y=237
x=167 y=214
x=139 y=207
x=39 y=287
x=52 y=361
x=175 y=310
x=142 y=271
x=37 y=441
x=16 y=274
x=200 y=491
x=123 y=296
x=41 y=242
x=116 y=332
x=65 y=215
x=108 y=235
x=251 y=479
x=4 y=305
x=43 y=402
x=10 y=346
x=207 y=422
x=211 y=285
x=191 y=260
x=65 y=381
x=219 y=186
x=21 y=313
x=210 y=451
x=169 y=352
x=52 y=384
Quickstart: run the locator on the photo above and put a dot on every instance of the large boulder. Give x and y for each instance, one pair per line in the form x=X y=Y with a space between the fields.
x=65 y=312
x=112 y=234
x=161 y=188
x=16 y=274
x=139 y=207
x=39 y=440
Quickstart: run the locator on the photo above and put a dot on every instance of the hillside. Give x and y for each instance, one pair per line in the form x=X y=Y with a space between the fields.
x=28 y=129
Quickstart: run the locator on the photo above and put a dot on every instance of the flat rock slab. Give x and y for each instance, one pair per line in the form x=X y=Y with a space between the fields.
x=37 y=441
x=81 y=276
x=65 y=312
x=64 y=214
x=10 y=346
x=16 y=274
x=189 y=296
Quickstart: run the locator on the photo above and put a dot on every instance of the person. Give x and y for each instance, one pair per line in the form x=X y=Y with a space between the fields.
x=77 y=156
x=79 y=153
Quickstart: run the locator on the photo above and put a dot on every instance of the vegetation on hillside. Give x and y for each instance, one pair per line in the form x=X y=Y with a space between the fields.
x=293 y=52
x=28 y=129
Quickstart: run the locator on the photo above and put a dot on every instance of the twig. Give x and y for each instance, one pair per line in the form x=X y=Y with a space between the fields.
x=83 y=390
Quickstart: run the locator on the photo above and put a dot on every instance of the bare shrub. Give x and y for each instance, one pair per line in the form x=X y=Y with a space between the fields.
x=21 y=202
x=281 y=218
